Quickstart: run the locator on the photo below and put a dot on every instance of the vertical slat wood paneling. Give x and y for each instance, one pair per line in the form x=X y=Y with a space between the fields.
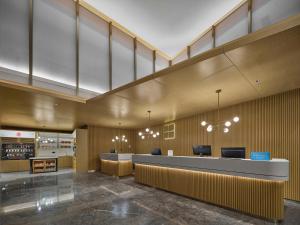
x=267 y=124
x=254 y=196
x=100 y=141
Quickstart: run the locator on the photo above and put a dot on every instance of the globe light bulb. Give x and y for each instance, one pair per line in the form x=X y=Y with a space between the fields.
x=227 y=123
x=113 y=140
x=226 y=130
x=123 y=136
x=154 y=135
x=147 y=130
x=209 y=128
x=157 y=133
x=117 y=138
x=143 y=137
x=236 y=119
x=126 y=140
x=203 y=123
x=151 y=132
x=140 y=133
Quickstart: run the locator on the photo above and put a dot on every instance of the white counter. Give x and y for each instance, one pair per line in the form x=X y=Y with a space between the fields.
x=276 y=169
x=44 y=157
x=116 y=156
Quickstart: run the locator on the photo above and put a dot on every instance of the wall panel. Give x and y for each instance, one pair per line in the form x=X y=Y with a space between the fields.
x=122 y=58
x=144 y=60
x=93 y=52
x=269 y=12
x=54 y=41
x=266 y=124
x=14 y=39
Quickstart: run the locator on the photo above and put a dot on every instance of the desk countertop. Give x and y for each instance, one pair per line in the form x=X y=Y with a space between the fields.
x=275 y=169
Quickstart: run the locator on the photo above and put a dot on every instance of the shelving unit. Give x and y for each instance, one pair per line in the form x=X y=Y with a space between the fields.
x=16 y=148
x=43 y=165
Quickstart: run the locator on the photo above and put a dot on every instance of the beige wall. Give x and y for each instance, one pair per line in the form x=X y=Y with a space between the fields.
x=82 y=150
x=267 y=124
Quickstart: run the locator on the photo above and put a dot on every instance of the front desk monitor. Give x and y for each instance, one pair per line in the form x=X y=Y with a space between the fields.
x=202 y=150
x=156 y=151
x=233 y=152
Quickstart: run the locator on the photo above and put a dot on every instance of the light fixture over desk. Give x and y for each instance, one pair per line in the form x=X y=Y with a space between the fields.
x=148 y=132
x=120 y=138
x=225 y=124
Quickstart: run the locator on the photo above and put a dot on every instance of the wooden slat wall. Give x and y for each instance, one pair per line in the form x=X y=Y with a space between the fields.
x=254 y=196
x=82 y=151
x=267 y=124
x=100 y=142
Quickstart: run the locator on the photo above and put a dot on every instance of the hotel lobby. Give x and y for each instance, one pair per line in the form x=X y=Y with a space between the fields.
x=149 y=112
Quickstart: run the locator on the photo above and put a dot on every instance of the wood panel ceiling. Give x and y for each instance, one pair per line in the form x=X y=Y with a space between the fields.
x=257 y=65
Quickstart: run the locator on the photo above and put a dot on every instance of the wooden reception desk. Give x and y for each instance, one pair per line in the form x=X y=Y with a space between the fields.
x=116 y=164
x=253 y=187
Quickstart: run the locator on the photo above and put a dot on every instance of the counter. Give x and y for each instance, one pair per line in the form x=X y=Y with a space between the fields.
x=116 y=164
x=253 y=187
x=276 y=169
x=43 y=164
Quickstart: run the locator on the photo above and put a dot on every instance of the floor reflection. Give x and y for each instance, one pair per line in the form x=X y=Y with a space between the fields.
x=37 y=193
x=79 y=199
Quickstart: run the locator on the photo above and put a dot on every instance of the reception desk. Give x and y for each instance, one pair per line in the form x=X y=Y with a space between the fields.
x=116 y=164
x=253 y=187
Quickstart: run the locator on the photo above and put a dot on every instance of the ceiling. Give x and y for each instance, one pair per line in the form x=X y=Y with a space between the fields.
x=159 y=22
x=246 y=69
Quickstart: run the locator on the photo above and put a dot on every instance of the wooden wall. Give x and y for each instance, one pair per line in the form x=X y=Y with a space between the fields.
x=100 y=141
x=82 y=150
x=267 y=124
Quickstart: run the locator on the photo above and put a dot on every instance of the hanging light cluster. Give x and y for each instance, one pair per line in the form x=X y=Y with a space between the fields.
x=226 y=124
x=148 y=132
x=120 y=139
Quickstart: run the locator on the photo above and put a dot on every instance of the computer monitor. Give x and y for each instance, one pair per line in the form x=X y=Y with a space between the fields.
x=156 y=151
x=233 y=152
x=202 y=150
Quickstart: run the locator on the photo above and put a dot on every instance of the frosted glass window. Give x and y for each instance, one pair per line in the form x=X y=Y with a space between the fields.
x=181 y=57
x=233 y=27
x=14 y=35
x=122 y=58
x=54 y=40
x=161 y=63
x=204 y=44
x=93 y=52
x=144 y=60
x=269 y=12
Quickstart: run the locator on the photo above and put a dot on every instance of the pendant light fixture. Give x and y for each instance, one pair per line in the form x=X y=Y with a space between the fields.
x=225 y=124
x=148 y=132
x=119 y=137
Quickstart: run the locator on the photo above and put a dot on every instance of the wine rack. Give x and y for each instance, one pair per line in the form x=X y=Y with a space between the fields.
x=17 y=151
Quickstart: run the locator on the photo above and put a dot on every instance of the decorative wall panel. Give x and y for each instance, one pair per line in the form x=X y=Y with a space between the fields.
x=94 y=52
x=254 y=196
x=14 y=38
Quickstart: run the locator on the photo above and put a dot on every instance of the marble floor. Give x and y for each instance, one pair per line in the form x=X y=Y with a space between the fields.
x=99 y=199
x=5 y=177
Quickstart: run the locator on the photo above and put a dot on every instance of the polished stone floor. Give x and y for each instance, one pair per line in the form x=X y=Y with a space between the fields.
x=71 y=199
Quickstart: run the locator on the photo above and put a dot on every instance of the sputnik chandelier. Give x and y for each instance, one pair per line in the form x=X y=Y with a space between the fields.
x=226 y=124
x=148 y=132
x=120 y=138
